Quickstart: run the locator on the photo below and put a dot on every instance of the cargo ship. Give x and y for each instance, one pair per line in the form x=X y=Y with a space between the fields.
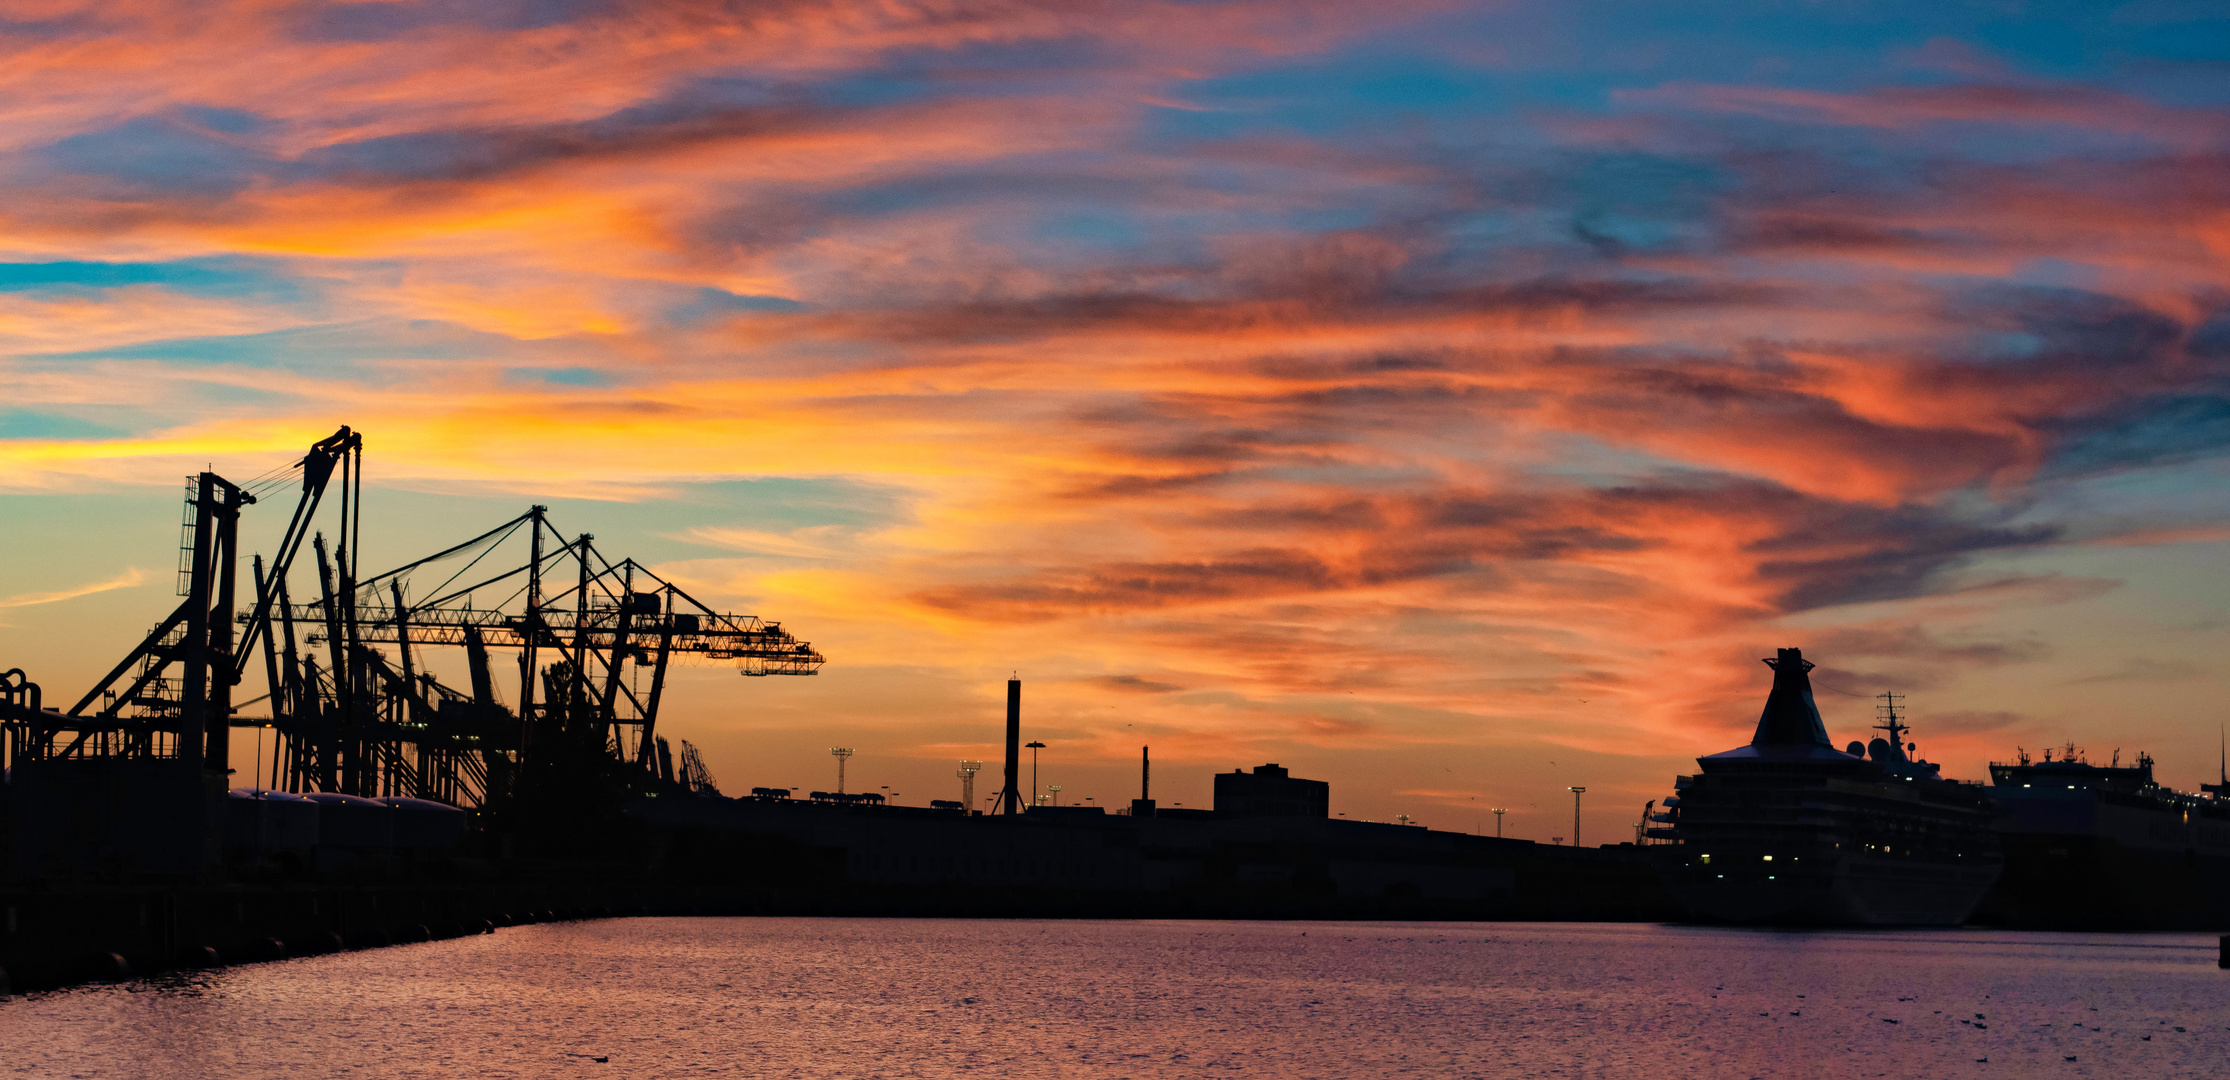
x=1789 y=830
x=2107 y=847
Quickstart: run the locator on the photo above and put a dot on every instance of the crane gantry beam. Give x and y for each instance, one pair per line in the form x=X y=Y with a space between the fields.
x=762 y=648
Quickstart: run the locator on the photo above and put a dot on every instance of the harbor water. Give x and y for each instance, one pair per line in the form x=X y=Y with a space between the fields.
x=865 y=998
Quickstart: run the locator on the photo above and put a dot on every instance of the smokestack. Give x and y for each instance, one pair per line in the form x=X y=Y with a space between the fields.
x=1011 y=797
x=1790 y=717
x=1143 y=806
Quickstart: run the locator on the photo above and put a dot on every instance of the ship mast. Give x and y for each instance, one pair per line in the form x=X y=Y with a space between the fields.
x=2220 y=789
x=1886 y=712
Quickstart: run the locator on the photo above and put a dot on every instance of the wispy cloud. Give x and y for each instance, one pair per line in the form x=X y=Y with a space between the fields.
x=812 y=542
x=130 y=578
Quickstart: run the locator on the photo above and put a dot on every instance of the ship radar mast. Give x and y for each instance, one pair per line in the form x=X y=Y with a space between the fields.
x=2220 y=789
x=1891 y=723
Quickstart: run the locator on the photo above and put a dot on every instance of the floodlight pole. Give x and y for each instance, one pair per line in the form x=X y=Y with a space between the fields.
x=1034 y=746
x=967 y=775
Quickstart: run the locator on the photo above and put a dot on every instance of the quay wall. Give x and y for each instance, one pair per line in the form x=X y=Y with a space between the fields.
x=56 y=935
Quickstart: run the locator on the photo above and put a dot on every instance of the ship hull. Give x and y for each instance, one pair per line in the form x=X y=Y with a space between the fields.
x=1856 y=892
x=2078 y=882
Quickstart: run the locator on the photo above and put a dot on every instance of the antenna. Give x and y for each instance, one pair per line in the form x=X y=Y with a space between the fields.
x=1886 y=712
x=841 y=753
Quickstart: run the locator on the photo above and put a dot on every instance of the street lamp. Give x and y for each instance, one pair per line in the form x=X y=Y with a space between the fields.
x=1576 y=792
x=1498 y=812
x=1056 y=790
x=1034 y=746
x=841 y=753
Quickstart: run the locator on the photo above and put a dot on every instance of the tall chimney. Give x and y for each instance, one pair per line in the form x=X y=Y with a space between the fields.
x=1143 y=805
x=1011 y=797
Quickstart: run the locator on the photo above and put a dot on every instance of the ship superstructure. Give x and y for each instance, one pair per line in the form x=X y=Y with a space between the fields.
x=1790 y=830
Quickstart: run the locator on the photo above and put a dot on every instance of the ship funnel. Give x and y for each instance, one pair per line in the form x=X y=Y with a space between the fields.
x=1790 y=718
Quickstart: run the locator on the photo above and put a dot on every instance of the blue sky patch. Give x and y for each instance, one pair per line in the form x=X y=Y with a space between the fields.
x=23 y=424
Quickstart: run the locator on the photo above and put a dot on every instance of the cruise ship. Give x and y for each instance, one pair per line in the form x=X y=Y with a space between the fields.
x=2107 y=847
x=1790 y=830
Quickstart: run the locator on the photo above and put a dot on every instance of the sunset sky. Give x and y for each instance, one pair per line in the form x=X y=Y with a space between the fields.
x=1448 y=401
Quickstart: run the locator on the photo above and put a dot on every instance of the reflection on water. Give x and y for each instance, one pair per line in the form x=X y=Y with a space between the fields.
x=906 y=998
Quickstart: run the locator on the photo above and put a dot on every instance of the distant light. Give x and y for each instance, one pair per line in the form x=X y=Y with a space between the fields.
x=1769 y=858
